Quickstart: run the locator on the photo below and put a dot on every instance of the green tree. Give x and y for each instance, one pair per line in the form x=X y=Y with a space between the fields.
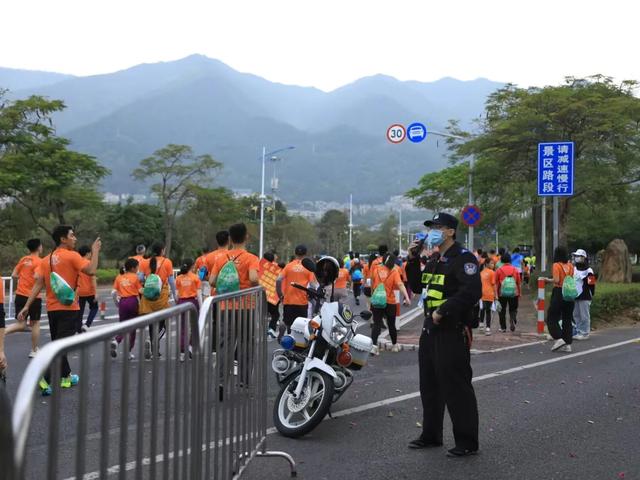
x=37 y=170
x=333 y=232
x=600 y=117
x=177 y=172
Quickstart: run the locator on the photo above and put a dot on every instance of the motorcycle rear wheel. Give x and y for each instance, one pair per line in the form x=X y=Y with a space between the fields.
x=306 y=414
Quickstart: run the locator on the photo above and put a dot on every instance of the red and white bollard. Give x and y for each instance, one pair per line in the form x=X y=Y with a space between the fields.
x=541 y=285
x=103 y=309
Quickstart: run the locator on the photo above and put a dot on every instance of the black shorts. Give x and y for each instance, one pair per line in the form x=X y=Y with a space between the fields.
x=291 y=312
x=35 y=310
x=2 y=316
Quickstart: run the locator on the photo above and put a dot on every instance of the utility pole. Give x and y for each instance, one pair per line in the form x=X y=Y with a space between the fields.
x=400 y=231
x=351 y=222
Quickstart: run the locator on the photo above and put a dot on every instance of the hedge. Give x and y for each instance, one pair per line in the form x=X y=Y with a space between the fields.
x=612 y=299
x=106 y=276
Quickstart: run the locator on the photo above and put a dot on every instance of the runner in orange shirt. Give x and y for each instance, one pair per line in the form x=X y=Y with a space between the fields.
x=387 y=274
x=126 y=291
x=66 y=263
x=139 y=256
x=161 y=266
x=188 y=286
x=25 y=274
x=489 y=292
x=87 y=289
x=295 y=302
x=222 y=238
x=340 y=288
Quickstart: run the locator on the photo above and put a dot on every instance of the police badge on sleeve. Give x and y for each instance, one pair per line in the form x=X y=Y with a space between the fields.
x=470 y=268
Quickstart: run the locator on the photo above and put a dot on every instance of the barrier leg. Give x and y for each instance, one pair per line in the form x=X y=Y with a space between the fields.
x=540 y=306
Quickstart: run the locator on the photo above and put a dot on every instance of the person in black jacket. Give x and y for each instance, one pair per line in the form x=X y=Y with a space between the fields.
x=451 y=287
x=586 y=284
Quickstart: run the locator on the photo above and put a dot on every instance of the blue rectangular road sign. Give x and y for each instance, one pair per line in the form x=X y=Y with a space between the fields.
x=555 y=169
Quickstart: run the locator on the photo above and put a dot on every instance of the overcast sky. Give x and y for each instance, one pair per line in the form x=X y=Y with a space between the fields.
x=329 y=43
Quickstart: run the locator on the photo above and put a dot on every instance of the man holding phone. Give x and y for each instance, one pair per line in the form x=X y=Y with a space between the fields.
x=453 y=287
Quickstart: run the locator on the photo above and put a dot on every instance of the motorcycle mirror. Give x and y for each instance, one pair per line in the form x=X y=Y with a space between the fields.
x=327 y=270
x=366 y=314
x=309 y=264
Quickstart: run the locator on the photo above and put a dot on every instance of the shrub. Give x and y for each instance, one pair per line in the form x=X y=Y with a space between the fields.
x=106 y=276
x=613 y=299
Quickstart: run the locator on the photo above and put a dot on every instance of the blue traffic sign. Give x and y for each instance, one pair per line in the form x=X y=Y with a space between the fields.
x=471 y=215
x=555 y=169
x=416 y=132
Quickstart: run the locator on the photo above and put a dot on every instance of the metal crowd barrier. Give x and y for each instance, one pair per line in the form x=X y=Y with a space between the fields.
x=198 y=417
x=10 y=314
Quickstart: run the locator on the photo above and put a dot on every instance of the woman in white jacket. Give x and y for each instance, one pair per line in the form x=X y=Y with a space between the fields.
x=586 y=286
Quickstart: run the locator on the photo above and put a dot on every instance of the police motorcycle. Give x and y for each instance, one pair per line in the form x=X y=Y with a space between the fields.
x=315 y=364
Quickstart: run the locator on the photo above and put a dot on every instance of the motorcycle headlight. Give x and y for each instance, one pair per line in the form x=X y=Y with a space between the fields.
x=338 y=333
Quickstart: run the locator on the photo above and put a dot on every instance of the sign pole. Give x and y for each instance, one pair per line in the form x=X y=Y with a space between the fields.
x=400 y=231
x=556 y=233
x=543 y=243
x=351 y=223
x=497 y=244
x=471 y=228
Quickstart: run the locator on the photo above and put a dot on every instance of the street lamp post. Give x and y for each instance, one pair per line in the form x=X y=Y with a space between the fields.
x=351 y=222
x=262 y=195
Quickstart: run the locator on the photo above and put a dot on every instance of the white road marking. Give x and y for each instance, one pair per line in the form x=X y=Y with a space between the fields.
x=392 y=400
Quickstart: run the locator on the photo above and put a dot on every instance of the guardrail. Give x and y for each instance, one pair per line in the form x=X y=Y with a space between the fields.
x=10 y=314
x=200 y=415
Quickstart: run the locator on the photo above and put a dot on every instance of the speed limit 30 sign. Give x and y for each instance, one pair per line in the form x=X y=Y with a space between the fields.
x=396 y=133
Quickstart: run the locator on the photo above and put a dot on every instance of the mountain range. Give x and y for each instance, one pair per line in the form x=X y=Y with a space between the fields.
x=339 y=136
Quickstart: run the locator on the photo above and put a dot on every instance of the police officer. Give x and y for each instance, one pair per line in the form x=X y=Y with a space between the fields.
x=452 y=284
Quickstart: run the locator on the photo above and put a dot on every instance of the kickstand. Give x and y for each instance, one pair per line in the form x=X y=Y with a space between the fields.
x=330 y=416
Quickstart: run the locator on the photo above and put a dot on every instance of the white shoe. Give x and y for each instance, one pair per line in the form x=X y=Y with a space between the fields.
x=272 y=333
x=182 y=357
x=375 y=350
x=548 y=337
x=33 y=353
x=482 y=325
x=131 y=356
x=84 y=328
x=113 y=349
x=558 y=345
x=565 y=348
x=235 y=367
x=395 y=348
x=487 y=331
x=581 y=337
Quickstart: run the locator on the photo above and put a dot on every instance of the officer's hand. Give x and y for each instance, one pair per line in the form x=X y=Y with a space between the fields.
x=3 y=361
x=436 y=317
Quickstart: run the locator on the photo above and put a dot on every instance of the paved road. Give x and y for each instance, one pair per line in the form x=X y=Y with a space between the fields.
x=576 y=418
x=535 y=417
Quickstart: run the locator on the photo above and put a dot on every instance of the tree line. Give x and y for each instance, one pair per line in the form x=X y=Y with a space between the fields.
x=43 y=183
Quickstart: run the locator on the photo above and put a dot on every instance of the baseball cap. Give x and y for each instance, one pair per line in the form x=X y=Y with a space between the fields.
x=579 y=253
x=442 y=219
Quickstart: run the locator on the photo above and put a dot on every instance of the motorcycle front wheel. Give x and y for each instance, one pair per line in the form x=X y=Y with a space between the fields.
x=296 y=417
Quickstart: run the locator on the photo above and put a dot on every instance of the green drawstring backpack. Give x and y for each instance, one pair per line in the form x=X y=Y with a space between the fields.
x=228 y=279
x=61 y=289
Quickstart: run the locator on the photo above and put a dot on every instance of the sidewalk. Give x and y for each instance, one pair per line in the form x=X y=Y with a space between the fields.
x=526 y=330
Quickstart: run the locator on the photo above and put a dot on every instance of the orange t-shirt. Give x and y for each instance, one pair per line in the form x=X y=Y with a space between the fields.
x=164 y=268
x=295 y=272
x=127 y=285
x=86 y=287
x=140 y=259
x=211 y=258
x=245 y=262
x=560 y=271
x=391 y=280
x=343 y=277
x=488 y=278
x=199 y=262
x=373 y=265
x=26 y=270
x=187 y=285
x=67 y=264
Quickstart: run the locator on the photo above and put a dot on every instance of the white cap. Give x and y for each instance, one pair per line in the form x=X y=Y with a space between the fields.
x=579 y=253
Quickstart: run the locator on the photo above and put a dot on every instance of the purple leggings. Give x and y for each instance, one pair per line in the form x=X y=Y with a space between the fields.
x=128 y=309
x=183 y=322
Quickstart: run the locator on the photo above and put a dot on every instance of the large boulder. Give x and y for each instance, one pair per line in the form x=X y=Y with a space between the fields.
x=616 y=265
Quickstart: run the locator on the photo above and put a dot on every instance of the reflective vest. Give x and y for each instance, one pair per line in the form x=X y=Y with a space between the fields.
x=435 y=289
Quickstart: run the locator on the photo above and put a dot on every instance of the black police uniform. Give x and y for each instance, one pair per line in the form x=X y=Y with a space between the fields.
x=453 y=288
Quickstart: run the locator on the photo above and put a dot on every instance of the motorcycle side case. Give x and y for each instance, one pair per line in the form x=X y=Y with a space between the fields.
x=299 y=331
x=360 y=348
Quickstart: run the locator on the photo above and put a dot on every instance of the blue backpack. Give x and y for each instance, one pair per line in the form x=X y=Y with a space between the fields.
x=356 y=276
x=203 y=273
